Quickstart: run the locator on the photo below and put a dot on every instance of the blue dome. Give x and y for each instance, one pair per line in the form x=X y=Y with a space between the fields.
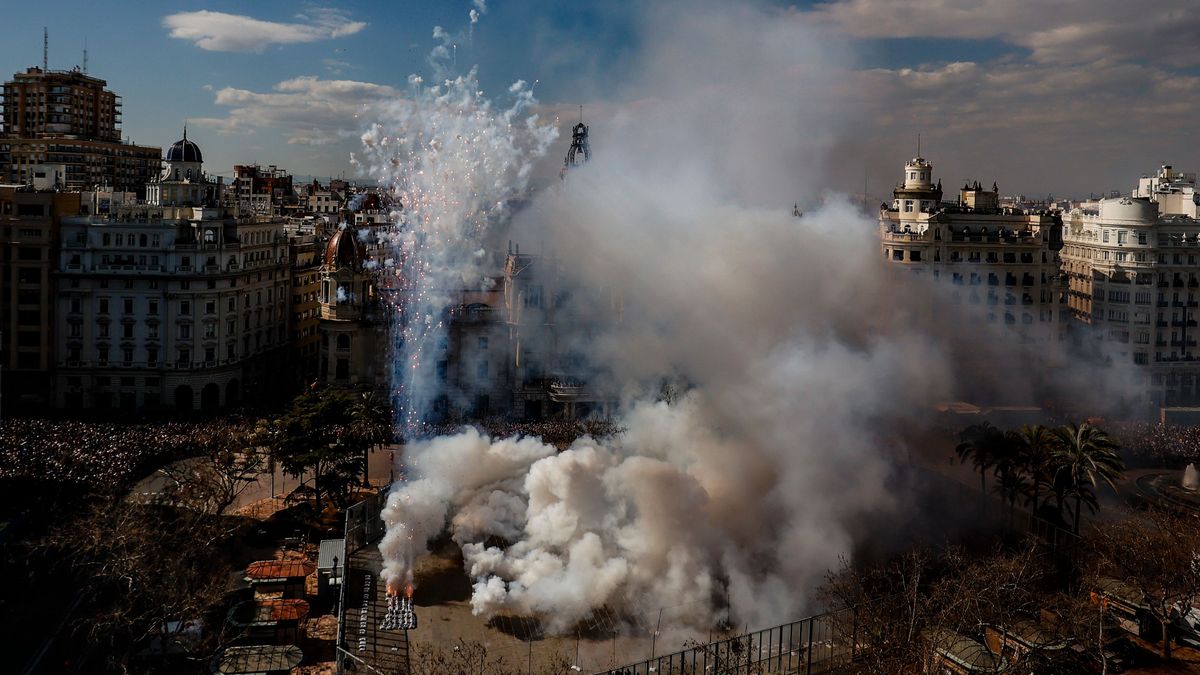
x=184 y=151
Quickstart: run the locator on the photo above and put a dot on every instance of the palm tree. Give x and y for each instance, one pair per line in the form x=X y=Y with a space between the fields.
x=980 y=443
x=1085 y=457
x=1008 y=462
x=1037 y=445
x=371 y=424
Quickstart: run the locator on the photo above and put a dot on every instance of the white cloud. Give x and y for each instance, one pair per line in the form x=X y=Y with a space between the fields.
x=307 y=110
x=1064 y=31
x=221 y=32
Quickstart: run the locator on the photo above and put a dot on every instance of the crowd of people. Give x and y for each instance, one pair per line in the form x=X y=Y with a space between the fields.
x=558 y=432
x=1156 y=444
x=103 y=456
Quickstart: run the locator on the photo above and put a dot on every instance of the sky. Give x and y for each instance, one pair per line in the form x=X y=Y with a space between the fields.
x=1063 y=97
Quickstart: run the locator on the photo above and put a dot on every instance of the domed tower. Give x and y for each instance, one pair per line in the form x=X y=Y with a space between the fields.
x=346 y=295
x=917 y=194
x=182 y=181
x=183 y=160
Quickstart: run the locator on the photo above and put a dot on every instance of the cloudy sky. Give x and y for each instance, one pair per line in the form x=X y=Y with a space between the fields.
x=1044 y=96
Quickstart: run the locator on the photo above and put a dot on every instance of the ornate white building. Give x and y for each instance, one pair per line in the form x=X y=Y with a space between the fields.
x=170 y=304
x=1135 y=278
x=999 y=265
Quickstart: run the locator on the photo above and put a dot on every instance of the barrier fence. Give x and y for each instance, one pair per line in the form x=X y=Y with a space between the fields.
x=363 y=526
x=816 y=644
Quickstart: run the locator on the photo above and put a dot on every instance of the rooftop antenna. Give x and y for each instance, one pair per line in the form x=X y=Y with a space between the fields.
x=581 y=114
x=85 y=56
x=45 y=49
x=918 y=144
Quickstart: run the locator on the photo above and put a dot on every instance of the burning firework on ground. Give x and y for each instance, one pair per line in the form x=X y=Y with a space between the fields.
x=400 y=613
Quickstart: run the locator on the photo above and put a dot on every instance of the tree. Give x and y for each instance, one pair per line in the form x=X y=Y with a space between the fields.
x=1085 y=457
x=884 y=610
x=373 y=423
x=1008 y=462
x=315 y=434
x=1156 y=554
x=981 y=443
x=1037 y=445
x=214 y=482
x=143 y=572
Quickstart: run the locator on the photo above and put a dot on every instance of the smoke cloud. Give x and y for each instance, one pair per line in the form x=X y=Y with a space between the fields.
x=798 y=348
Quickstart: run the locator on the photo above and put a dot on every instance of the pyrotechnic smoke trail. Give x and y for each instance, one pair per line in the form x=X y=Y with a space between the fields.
x=449 y=160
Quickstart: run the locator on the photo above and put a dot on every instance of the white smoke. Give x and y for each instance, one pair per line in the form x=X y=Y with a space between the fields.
x=802 y=348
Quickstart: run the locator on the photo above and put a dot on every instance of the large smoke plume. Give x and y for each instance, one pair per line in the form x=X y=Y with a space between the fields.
x=800 y=349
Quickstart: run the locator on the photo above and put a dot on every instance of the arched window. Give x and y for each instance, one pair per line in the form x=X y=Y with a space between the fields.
x=210 y=236
x=343 y=341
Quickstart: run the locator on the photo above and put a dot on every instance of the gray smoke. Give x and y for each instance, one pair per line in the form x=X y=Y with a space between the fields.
x=801 y=349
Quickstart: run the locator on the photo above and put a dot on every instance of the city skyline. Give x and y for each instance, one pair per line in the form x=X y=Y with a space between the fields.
x=1022 y=98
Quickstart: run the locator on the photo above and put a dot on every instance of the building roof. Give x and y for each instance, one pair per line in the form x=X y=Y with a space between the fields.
x=331 y=549
x=344 y=250
x=264 y=570
x=968 y=654
x=268 y=612
x=184 y=151
x=258 y=659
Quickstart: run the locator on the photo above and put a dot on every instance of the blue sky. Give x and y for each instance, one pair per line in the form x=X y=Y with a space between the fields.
x=994 y=85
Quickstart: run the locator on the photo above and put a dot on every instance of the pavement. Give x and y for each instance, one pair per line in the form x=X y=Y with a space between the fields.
x=276 y=484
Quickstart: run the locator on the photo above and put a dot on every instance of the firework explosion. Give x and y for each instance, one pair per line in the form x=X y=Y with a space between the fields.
x=449 y=161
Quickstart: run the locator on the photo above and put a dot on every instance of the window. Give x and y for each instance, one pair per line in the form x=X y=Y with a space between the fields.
x=483 y=342
x=914 y=256
x=1142 y=239
x=127 y=356
x=185 y=331
x=103 y=309
x=1105 y=236
x=102 y=356
x=210 y=307
x=185 y=357
x=127 y=331
x=75 y=305
x=210 y=331
x=1122 y=237
x=481 y=370
x=210 y=354
x=185 y=307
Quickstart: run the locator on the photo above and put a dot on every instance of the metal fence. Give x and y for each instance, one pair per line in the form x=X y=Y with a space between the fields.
x=363 y=525
x=817 y=644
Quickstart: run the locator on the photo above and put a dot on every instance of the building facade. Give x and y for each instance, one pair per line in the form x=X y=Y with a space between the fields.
x=1000 y=266
x=70 y=120
x=170 y=307
x=1135 y=280
x=29 y=235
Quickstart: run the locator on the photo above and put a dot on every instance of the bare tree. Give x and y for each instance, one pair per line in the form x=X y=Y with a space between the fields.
x=473 y=658
x=144 y=571
x=1157 y=554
